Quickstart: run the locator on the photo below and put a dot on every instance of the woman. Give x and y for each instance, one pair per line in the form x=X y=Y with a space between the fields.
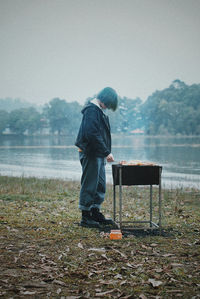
x=94 y=143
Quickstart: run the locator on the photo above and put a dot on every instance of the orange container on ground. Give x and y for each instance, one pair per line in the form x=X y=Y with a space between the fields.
x=115 y=234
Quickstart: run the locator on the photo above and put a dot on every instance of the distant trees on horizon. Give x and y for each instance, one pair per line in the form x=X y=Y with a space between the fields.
x=174 y=110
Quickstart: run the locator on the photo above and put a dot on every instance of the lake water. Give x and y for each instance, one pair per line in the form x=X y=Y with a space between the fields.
x=57 y=157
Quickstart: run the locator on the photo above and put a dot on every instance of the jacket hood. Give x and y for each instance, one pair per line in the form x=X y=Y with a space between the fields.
x=88 y=105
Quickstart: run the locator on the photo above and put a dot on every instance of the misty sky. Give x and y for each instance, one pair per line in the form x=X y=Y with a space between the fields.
x=73 y=48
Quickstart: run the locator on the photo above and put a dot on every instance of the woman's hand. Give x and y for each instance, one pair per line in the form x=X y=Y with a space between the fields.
x=110 y=158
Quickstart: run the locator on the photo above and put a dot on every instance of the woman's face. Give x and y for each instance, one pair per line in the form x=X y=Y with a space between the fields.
x=102 y=105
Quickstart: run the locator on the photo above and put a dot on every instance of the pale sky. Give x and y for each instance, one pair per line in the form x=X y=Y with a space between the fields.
x=73 y=48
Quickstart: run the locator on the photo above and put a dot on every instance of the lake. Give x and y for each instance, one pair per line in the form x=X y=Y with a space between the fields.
x=57 y=157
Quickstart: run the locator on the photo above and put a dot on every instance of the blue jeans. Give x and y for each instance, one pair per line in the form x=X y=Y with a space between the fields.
x=93 y=182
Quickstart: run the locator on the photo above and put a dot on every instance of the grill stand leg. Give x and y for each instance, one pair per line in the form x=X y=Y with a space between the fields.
x=114 y=203
x=160 y=200
x=120 y=197
x=150 y=205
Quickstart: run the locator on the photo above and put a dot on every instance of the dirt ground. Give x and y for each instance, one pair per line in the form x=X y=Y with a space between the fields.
x=44 y=253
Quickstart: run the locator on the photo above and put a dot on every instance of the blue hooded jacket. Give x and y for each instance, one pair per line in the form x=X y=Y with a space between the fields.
x=94 y=138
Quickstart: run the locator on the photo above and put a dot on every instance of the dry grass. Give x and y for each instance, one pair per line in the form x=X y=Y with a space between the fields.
x=45 y=254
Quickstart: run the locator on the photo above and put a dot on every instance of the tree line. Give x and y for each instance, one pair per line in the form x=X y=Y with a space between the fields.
x=174 y=110
x=58 y=116
x=63 y=118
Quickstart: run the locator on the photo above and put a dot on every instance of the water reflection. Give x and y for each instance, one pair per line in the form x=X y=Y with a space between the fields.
x=13 y=140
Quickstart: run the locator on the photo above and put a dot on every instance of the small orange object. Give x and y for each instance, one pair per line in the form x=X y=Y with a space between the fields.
x=115 y=234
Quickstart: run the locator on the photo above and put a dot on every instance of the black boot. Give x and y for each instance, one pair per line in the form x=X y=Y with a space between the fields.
x=88 y=221
x=99 y=217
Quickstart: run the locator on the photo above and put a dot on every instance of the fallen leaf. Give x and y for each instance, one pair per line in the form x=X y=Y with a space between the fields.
x=167 y=254
x=104 y=256
x=90 y=274
x=123 y=282
x=104 y=293
x=40 y=229
x=104 y=235
x=155 y=283
x=145 y=247
x=72 y=297
x=16 y=259
x=176 y=265
x=159 y=270
x=127 y=297
x=106 y=282
x=58 y=291
x=129 y=265
x=101 y=250
x=153 y=245
x=122 y=254
x=27 y=293
x=80 y=245
x=11 y=272
x=138 y=265
x=59 y=282
x=118 y=276
x=173 y=291
x=4 y=280
x=34 y=284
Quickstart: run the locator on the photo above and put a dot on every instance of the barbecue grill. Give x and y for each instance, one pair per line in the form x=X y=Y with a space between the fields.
x=136 y=175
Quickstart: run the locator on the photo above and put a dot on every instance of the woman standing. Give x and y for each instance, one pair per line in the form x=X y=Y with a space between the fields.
x=94 y=143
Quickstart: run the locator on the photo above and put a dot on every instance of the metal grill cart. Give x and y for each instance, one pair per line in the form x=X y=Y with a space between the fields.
x=136 y=175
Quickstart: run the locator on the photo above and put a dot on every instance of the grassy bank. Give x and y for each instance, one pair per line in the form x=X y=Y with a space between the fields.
x=45 y=254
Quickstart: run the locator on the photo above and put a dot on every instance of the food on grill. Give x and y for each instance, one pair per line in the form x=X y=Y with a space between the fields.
x=135 y=162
